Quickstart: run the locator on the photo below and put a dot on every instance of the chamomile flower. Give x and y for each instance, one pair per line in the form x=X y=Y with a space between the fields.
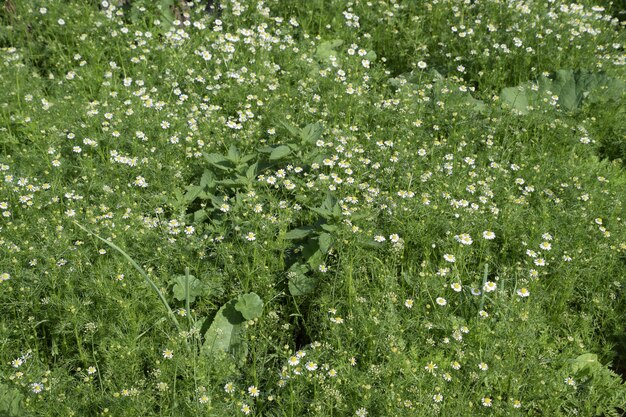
x=441 y=301
x=168 y=353
x=545 y=245
x=449 y=258
x=36 y=387
x=489 y=235
x=523 y=292
x=437 y=398
x=430 y=367
x=361 y=412
x=408 y=303
x=253 y=391
x=486 y=401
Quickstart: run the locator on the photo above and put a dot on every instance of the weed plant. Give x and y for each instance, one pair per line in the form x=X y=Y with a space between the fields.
x=320 y=208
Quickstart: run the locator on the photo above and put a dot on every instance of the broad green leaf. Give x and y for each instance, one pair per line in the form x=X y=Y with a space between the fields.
x=166 y=13
x=200 y=215
x=326 y=214
x=316 y=259
x=570 y=88
x=295 y=234
x=326 y=49
x=516 y=98
x=301 y=284
x=329 y=202
x=207 y=179
x=193 y=191
x=218 y=161
x=585 y=363
x=247 y=158
x=226 y=332
x=249 y=305
x=325 y=240
x=10 y=401
x=251 y=171
x=280 y=152
x=233 y=154
x=371 y=55
x=195 y=288
x=291 y=128
x=311 y=133
x=329 y=227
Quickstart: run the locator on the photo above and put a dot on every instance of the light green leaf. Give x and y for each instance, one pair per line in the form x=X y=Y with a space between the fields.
x=251 y=171
x=233 y=153
x=585 y=363
x=311 y=133
x=249 y=305
x=516 y=98
x=226 y=332
x=326 y=49
x=207 y=179
x=570 y=88
x=195 y=288
x=10 y=401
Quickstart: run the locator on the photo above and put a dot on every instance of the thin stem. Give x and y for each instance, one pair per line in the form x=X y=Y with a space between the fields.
x=141 y=272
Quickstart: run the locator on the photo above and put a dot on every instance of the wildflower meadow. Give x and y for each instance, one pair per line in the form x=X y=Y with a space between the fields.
x=291 y=208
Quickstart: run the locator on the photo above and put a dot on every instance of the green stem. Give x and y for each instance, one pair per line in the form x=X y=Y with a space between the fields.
x=141 y=272
x=482 y=299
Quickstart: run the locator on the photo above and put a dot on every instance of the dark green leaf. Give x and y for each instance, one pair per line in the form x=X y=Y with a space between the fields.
x=295 y=234
x=193 y=191
x=301 y=284
x=325 y=241
x=316 y=259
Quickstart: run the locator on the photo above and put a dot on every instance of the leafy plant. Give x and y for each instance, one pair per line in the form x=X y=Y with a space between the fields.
x=226 y=331
x=10 y=401
x=569 y=88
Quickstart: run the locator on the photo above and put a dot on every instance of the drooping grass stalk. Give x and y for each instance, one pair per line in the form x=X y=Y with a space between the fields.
x=141 y=272
x=482 y=299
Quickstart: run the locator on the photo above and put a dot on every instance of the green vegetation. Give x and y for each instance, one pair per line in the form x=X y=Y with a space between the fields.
x=312 y=208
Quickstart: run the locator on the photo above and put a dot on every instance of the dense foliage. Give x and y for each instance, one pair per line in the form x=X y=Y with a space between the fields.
x=324 y=208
